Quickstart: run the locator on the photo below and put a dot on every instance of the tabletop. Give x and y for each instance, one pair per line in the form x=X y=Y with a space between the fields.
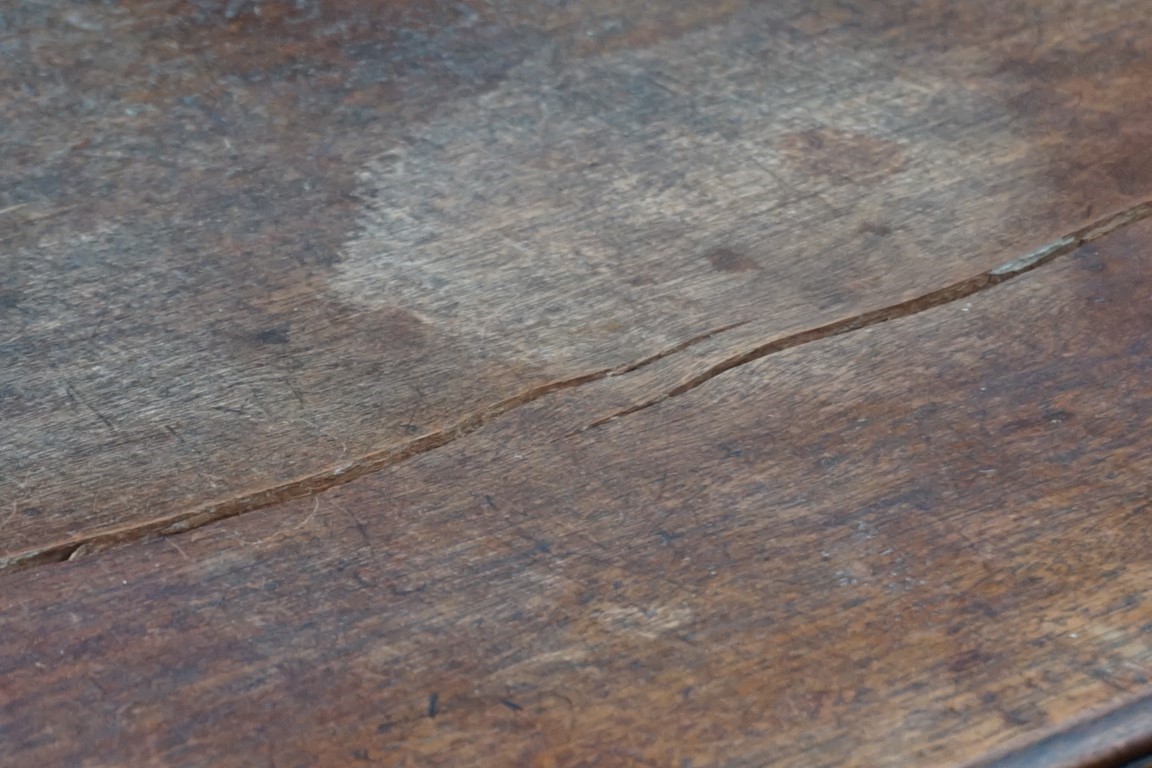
x=582 y=383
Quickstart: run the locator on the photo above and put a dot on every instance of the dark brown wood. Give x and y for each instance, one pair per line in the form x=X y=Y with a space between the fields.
x=1117 y=738
x=907 y=545
x=250 y=248
x=585 y=383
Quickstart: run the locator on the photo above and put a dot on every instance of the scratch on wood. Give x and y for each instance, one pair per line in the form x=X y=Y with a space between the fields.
x=76 y=398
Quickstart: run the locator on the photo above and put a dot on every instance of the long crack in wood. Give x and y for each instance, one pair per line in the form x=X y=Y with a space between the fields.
x=376 y=461
x=329 y=478
x=946 y=295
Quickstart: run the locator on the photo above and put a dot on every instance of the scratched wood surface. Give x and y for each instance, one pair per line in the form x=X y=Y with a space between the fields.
x=250 y=249
x=911 y=544
x=585 y=383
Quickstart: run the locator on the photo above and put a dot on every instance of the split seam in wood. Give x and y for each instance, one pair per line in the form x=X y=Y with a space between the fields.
x=379 y=460
x=937 y=298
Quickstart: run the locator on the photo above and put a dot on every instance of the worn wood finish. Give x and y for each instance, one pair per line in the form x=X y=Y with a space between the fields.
x=1120 y=737
x=906 y=545
x=248 y=249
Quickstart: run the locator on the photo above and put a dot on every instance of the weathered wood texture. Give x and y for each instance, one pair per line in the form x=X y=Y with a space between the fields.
x=1120 y=737
x=906 y=545
x=249 y=248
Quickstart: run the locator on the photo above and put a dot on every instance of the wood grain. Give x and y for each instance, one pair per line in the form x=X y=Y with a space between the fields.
x=907 y=545
x=248 y=245
x=1120 y=737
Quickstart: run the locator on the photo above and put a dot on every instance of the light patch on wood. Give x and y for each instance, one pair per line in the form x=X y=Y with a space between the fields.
x=582 y=196
x=648 y=623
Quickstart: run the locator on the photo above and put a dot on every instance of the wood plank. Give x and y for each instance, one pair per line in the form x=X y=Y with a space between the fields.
x=907 y=545
x=248 y=248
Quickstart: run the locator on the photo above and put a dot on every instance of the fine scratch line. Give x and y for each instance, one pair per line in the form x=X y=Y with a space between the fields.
x=379 y=460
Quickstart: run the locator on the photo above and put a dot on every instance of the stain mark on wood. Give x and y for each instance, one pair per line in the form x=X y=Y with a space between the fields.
x=728 y=260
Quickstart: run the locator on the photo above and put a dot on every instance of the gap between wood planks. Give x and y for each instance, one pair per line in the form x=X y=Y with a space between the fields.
x=378 y=460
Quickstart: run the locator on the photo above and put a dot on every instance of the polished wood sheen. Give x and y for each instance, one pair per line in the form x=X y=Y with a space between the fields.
x=562 y=384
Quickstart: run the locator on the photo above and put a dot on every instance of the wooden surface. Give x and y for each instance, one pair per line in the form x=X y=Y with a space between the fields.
x=906 y=545
x=246 y=253
x=599 y=383
x=1120 y=736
